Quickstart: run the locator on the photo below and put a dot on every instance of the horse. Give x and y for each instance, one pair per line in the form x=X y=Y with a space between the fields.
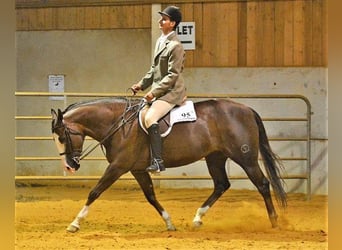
x=223 y=129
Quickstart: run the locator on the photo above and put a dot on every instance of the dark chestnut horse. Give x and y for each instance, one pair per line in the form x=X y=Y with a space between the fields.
x=223 y=129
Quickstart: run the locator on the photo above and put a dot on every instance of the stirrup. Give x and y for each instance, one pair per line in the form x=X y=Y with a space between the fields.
x=156 y=166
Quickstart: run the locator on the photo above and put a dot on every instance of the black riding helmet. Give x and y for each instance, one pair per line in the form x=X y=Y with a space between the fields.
x=173 y=13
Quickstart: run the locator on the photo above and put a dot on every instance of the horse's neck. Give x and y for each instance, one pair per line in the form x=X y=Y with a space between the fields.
x=95 y=121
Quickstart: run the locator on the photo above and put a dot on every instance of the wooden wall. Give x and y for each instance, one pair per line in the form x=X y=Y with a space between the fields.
x=81 y=18
x=269 y=33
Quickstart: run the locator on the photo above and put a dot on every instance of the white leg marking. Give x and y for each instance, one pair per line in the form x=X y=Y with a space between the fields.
x=75 y=225
x=197 y=221
x=167 y=219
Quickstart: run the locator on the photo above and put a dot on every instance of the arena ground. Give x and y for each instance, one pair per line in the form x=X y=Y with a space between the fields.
x=122 y=219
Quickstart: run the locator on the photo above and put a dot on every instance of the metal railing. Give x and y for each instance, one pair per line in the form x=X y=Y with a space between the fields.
x=306 y=176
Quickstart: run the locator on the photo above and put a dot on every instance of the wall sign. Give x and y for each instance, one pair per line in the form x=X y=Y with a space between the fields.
x=186 y=34
x=56 y=85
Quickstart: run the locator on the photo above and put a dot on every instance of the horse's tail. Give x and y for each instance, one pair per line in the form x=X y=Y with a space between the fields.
x=271 y=162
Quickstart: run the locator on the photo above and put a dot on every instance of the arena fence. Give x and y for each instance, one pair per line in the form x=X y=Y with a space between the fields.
x=307 y=138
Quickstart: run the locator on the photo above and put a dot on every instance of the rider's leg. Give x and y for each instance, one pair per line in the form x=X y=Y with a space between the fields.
x=157 y=110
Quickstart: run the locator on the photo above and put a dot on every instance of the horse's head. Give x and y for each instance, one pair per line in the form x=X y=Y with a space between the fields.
x=69 y=141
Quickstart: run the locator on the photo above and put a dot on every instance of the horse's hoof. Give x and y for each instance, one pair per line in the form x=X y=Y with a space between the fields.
x=171 y=228
x=197 y=223
x=72 y=229
x=274 y=223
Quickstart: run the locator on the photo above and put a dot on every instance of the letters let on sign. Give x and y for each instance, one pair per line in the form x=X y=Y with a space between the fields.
x=186 y=34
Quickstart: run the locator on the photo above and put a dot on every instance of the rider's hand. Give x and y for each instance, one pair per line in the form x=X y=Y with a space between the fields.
x=149 y=97
x=135 y=88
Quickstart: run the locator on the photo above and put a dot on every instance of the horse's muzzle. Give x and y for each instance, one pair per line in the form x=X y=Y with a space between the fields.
x=72 y=163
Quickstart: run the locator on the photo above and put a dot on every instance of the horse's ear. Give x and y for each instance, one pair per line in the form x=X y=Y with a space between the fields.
x=54 y=119
x=60 y=115
x=54 y=114
x=57 y=118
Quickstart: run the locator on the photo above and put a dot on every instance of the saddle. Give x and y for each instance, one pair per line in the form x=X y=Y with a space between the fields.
x=184 y=113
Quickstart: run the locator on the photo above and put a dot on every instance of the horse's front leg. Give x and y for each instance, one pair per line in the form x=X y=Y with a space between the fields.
x=145 y=182
x=109 y=177
x=75 y=225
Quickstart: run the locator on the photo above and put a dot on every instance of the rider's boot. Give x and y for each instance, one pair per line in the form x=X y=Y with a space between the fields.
x=157 y=163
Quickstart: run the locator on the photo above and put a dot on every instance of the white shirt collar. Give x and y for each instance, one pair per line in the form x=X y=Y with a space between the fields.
x=163 y=37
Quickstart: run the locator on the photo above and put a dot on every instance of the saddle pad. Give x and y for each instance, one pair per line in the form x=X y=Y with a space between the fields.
x=184 y=113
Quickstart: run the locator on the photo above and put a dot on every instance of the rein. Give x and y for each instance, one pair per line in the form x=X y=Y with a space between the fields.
x=119 y=123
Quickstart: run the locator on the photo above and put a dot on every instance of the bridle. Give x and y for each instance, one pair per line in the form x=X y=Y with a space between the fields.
x=130 y=113
x=69 y=149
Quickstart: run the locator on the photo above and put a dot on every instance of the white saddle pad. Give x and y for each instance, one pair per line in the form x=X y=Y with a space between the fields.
x=184 y=113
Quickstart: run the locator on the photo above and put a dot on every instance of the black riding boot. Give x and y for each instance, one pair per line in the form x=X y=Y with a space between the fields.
x=157 y=163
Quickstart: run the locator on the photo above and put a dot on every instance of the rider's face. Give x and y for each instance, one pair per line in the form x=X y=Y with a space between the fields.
x=165 y=24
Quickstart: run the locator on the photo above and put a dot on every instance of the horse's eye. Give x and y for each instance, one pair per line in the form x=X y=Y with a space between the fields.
x=61 y=140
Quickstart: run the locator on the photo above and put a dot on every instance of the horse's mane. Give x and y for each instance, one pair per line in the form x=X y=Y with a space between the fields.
x=109 y=100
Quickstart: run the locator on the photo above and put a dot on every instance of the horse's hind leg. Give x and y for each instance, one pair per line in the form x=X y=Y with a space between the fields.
x=257 y=177
x=145 y=182
x=216 y=166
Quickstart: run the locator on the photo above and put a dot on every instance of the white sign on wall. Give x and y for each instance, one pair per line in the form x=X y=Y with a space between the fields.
x=186 y=34
x=56 y=85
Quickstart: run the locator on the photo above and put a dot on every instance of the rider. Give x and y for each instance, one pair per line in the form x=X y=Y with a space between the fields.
x=165 y=76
